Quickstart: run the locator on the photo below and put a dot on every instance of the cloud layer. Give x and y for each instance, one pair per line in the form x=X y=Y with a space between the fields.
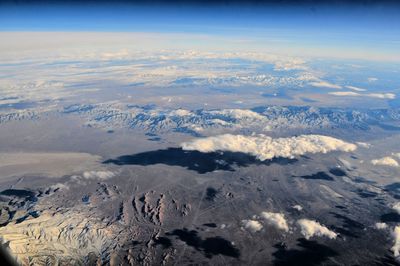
x=310 y=228
x=265 y=148
x=372 y=95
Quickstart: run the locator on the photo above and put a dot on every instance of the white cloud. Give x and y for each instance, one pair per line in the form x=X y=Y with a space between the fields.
x=344 y=93
x=364 y=144
x=396 y=155
x=98 y=174
x=240 y=114
x=325 y=84
x=297 y=207
x=60 y=186
x=310 y=228
x=372 y=79
x=252 y=225
x=381 y=226
x=396 y=207
x=181 y=112
x=290 y=64
x=265 y=147
x=355 y=88
x=396 y=237
x=387 y=161
x=276 y=219
x=382 y=95
x=356 y=94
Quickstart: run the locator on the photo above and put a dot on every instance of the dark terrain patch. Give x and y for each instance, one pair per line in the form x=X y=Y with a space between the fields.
x=211 y=193
x=212 y=225
x=348 y=222
x=195 y=160
x=363 y=180
x=163 y=241
x=393 y=189
x=319 y=175
x=154 y=139
x=86 y=199
x=350 y=227
x=366 y=194
x=21 y=193
x=392 y=217
x=337 y=172
x=387 y=261
x=210 y=246
x=311 y=253
x=33 y=214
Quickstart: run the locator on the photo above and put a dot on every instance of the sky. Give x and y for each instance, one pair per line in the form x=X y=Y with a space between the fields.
x=362 y=29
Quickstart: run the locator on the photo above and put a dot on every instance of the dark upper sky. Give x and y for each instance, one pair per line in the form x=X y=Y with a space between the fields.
x=369 y=25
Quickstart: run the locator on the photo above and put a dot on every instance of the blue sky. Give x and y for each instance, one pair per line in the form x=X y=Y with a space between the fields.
x=363 y=29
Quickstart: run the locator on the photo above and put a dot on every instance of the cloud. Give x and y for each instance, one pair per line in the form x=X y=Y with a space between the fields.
x=325 y=84
x=310 y=228
x=292 y=64
x=60 y=186
x=239 y=114
x=372 y=79
x=265 y=147
x=356 y=94
x=252 y=225
x=275 y=219
x=355 y=88
x=396 y=237
x=181 y=112
x=381 y=95
x=387 y=161
x=364 y=144
x=98 y=174
x=381 y=226
x=297 y=207
x=396 y=154
x=396 y=207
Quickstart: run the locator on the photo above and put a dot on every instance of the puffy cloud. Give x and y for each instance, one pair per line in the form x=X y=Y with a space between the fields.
x=252 y=225
x=98 y=174
x=275 y=219
x=310 y=228
x=297 y=207
x=388 y=161
x=265 y=147
x=372 y=95
x=396 y=207
x=325 y=84
x=381 y=226
x=396 y=237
